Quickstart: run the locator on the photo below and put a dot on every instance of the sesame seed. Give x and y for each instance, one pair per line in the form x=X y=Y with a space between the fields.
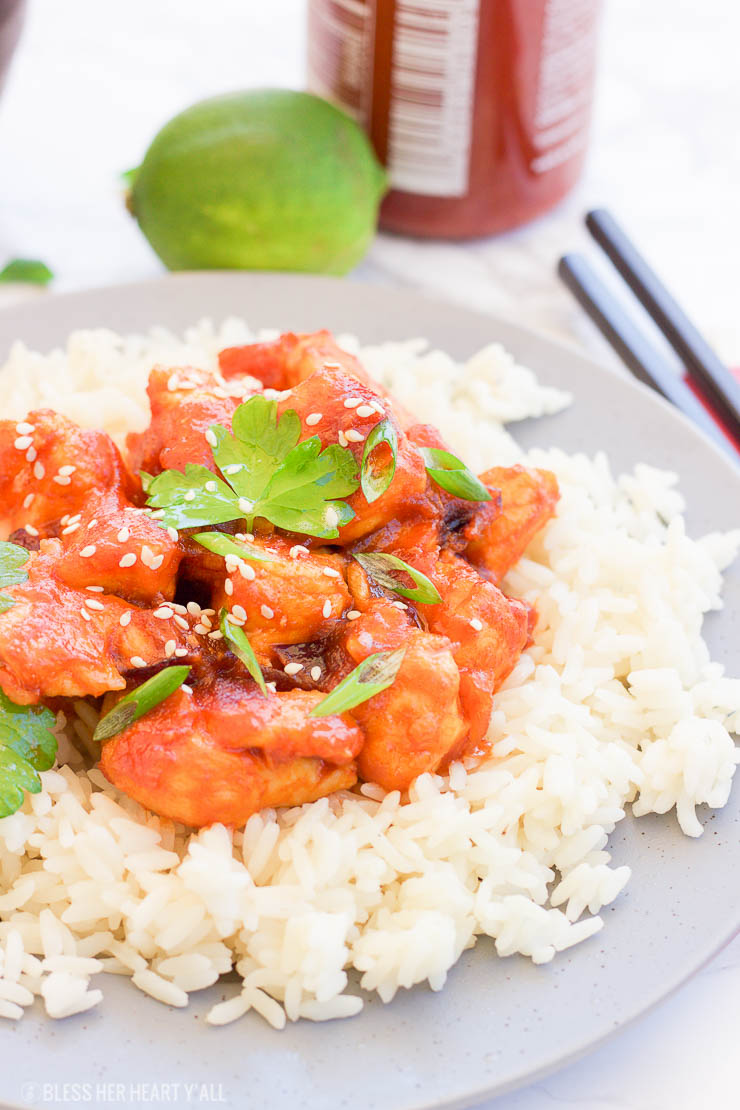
x=298 y=549
x=193 y=608
x=326 y=611
x=181 y=652
x=93 y=604
x=23 y=443
x=228 y=587
x=215 y=635
x=158 y=514
x=88 y=552
x=190 y=495
x=208 y=612
x=92 y=523
x=272 y=687
x=181 y=622
x=179 y=608
x=244 y=505
x=352 y=402
x=232 y=468
x=96 y=589
x=24 y=429
x=124 y=535
x=172 y=383
x=246 y=571
x=211 y=487
x=65 y=519
x=125 y=618
x=127 y=560
x=342 y=438
x=156 y=562
x=186 y=689
x=240 y=612
x=331 y=573
x=234 y=620
x=293 y=668
x=200 y=629
x=365 y=410
x=39 y=470
x=75 y=519
x=354 y=614
x=137 y=661
x=313 y=418
x=62 y=480
x=84 y=613
x=31 y=454
x=378 y=408
x=211 y=438
x=164 y=613
x=31 y=530
x=267 y=612
x=28 y=500
x=169 y=648
x=331 y=517
x=248 y=536
x=65 y=471
x=173 y=533
x=206 y=620
x=316 y=673
x=399 y=605
x=476 y=624
x=353 y=436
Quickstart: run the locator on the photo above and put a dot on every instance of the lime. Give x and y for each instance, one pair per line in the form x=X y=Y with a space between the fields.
x=266 y=179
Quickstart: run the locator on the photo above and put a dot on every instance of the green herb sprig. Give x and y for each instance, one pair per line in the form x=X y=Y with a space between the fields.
x=12 y=558
x=27 y=746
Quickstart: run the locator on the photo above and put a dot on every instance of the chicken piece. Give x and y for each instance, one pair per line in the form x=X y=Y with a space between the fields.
x=417 y=723
x=321 y=398
x=487 y=631
x=121 y=549
x=49 y=649
x=295 y=598
x=49 y=467
x=184 y=403
x=224 y=752
x=497 y=539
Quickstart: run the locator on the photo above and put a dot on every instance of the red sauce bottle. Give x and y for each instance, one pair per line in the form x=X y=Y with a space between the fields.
x=480 y=109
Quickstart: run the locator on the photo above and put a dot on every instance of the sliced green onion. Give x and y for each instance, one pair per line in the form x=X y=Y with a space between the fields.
x=221 y=544
x=375 y=481
x=451 y=474
x=241 y=647
x=379 y=564
x=140 y=701
x=27 y=270
x=372 y=676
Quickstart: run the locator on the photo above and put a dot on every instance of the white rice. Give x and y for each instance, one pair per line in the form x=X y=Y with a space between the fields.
x=616 y=705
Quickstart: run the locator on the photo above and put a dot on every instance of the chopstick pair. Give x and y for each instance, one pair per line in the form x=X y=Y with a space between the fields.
x=712 y=399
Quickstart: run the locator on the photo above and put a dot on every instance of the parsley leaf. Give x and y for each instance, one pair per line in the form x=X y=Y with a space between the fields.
x=372 y=676
x=12 y=558
x=266 y=473
x=221 y=544
x=27 y=746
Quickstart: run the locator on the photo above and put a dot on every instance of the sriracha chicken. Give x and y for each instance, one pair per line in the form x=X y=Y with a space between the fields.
x=334 y=606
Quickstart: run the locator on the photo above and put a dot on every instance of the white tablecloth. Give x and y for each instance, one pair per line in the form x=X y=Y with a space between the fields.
x=94 y=81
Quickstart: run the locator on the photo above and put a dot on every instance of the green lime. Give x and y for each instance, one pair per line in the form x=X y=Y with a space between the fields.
x=267 y=179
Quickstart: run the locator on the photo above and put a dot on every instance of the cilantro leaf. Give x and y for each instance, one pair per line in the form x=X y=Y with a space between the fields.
x=12 y=558
x=213 y=502
x=300 y=495
x=27 y=746
x=372 y=676
x=140 y=701
x=221 y=544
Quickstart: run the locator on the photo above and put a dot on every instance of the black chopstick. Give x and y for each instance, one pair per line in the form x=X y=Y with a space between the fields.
x=703 y=365
x=635 y=350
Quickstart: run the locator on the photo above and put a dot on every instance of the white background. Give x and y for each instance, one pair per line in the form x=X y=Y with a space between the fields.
x=93 y=81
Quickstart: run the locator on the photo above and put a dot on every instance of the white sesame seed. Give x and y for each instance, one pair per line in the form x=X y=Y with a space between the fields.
x=39 y=470
x=31 y=530
x=127 y=560
x=234 y=620
x=156 y=562
x=23 y=443
x=31 y=454
x=84 y=613
x=173 y=533
x=65 y=471
x=476 y=624
x=193 y=608
x=181 y=652
x=331 y=573
x=93 y=604
x=206 y=620
x=342 y=438
x=232 y=562
x=228 y=587
x=208 y=612
x=172 y=383
x=186 y=689
x=316 y=673
x=179 y=609
x=200 y=629
x=354 y=614
x=298 y=549
x=244 y=505
x=137 y=661
x=331 y=517
x=365 y=410
x=378 y=408
x=65 y=519
x=313 y=418
x=124 y=535
x=28 y=500
x=125 y=618
x=241 y=613
x=95 y=589
x=169 y=648
x=190 y=495
x=211 y=487
x=24 y=428
x=293 y=668
x=180 y=621
x=246 y=571
x=352 y=402
x=232 y=468
x=75 y=519
x=215 y=635
x=164 y=613
x=157 y=514
x=211 y=438
x=62 y=480
x=267 y=612
x=272 y=687
x=399 y=605
x=88 y=552
x=326 y=611
x=92 y=523
x=353 y=436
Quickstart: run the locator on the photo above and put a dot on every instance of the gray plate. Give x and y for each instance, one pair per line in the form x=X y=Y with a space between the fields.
x=498 y=1023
